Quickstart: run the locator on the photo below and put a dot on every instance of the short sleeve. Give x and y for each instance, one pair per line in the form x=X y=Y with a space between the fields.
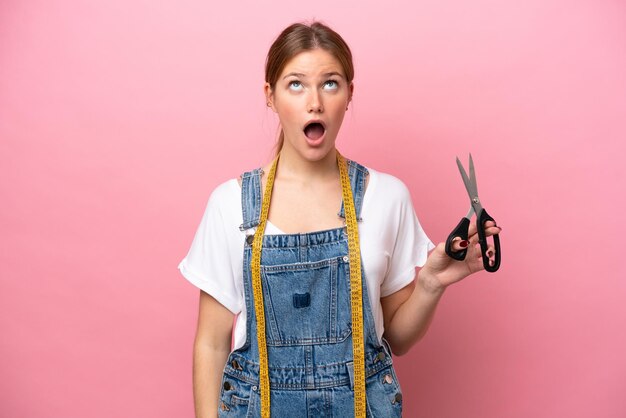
x=208 y=265
x=411 y=245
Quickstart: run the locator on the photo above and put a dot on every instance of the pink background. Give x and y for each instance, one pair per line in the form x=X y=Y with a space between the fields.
x=118 y=118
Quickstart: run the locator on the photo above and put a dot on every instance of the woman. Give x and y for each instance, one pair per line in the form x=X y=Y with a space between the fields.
x=315 y=330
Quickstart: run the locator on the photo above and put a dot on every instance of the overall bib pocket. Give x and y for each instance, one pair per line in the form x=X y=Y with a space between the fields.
x=307 y=295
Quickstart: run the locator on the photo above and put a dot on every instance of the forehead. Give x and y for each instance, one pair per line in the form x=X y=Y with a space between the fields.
x=311 y=63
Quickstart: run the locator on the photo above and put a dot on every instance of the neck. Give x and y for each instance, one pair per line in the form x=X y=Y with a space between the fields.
x=292 y=166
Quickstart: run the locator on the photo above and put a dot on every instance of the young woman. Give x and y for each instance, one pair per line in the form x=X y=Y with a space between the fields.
x=315 y=256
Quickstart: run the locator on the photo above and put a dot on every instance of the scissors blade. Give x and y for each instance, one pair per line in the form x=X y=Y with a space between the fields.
x=473 y=176
x=470 y=186
x=466 y=180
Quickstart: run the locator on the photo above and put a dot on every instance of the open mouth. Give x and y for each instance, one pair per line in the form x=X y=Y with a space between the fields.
x=314 y=130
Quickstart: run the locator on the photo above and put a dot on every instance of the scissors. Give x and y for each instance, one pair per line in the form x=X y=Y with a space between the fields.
x=462 y=229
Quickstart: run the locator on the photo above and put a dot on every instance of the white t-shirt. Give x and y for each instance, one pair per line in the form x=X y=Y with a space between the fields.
x=392 y=244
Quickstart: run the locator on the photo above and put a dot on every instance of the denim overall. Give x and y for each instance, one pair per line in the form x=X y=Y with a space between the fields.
x=306 y=291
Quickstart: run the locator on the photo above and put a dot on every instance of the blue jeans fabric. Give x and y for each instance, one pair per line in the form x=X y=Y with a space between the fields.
x=306 y=291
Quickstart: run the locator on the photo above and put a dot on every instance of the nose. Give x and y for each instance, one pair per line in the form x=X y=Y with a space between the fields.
x=315 y=103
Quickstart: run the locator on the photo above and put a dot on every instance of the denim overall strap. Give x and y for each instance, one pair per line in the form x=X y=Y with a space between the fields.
x=358 y=175
x=251 y=198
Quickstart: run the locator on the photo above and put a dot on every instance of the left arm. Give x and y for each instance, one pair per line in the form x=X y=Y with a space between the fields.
x=408 y=312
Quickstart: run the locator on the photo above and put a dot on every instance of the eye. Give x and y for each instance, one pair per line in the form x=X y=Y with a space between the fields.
x=331 y=84
x=295 y=85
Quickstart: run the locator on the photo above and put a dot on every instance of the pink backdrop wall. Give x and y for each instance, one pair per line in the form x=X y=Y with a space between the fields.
x=118 y=118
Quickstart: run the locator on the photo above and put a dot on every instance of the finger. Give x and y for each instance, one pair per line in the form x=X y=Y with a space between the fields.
x=489 y=224
x=477 y=264
x=491 y=253
x=490 y=229
x=494 y=230
x=475 y=248
x=459 y=244
x=472 y=231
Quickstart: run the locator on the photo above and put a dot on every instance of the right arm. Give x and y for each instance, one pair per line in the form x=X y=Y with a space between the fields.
x=210 y=352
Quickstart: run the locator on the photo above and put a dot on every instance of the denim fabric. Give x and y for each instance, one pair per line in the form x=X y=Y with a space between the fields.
x=306 y=291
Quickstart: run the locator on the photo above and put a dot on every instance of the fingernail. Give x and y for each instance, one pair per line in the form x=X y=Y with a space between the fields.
x=464 y=243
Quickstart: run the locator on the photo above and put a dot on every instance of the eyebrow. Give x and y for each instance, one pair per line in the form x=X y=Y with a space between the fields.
x=333 y=73
x=304 y=75
x=293 y=74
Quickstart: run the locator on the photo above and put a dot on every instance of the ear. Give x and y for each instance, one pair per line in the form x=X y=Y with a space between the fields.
x=351 y=88
x=269 y=96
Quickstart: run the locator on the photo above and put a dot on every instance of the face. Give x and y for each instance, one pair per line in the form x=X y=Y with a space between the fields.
x=310 y=97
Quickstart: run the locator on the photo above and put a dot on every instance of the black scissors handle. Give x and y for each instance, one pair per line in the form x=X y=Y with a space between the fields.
x=462 y=231
x=482 y=240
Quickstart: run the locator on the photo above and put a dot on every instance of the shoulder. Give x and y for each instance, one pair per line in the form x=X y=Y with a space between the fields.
x=387 y=186
x=223 y=209
x=225 y=196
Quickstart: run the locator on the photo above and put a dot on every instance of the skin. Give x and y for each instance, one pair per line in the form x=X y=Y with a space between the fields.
x=306 y=197
x=307 y=189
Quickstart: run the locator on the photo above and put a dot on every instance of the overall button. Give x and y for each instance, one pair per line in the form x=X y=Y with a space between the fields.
x=379 y=357
x=346 y=258
x=388 y=379
x=227 y=386
x=397 y=398
x=236 y=365
x=249 y=239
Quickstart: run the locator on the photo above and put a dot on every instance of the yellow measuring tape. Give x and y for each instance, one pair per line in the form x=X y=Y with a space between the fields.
x=356 y=294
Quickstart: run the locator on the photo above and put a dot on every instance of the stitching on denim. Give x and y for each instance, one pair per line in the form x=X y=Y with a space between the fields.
x=358 y=166
x=248 y=364
x=308 y=265
x=309 y=341
x=237 y=400
x=334 y=236
x=248 y=377
x=244 y=203
x=258 y=198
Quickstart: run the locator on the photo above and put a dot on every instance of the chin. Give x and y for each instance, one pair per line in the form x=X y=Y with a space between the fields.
x=318 y=153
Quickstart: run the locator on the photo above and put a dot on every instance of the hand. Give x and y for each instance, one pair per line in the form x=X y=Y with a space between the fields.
x=440 y=270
